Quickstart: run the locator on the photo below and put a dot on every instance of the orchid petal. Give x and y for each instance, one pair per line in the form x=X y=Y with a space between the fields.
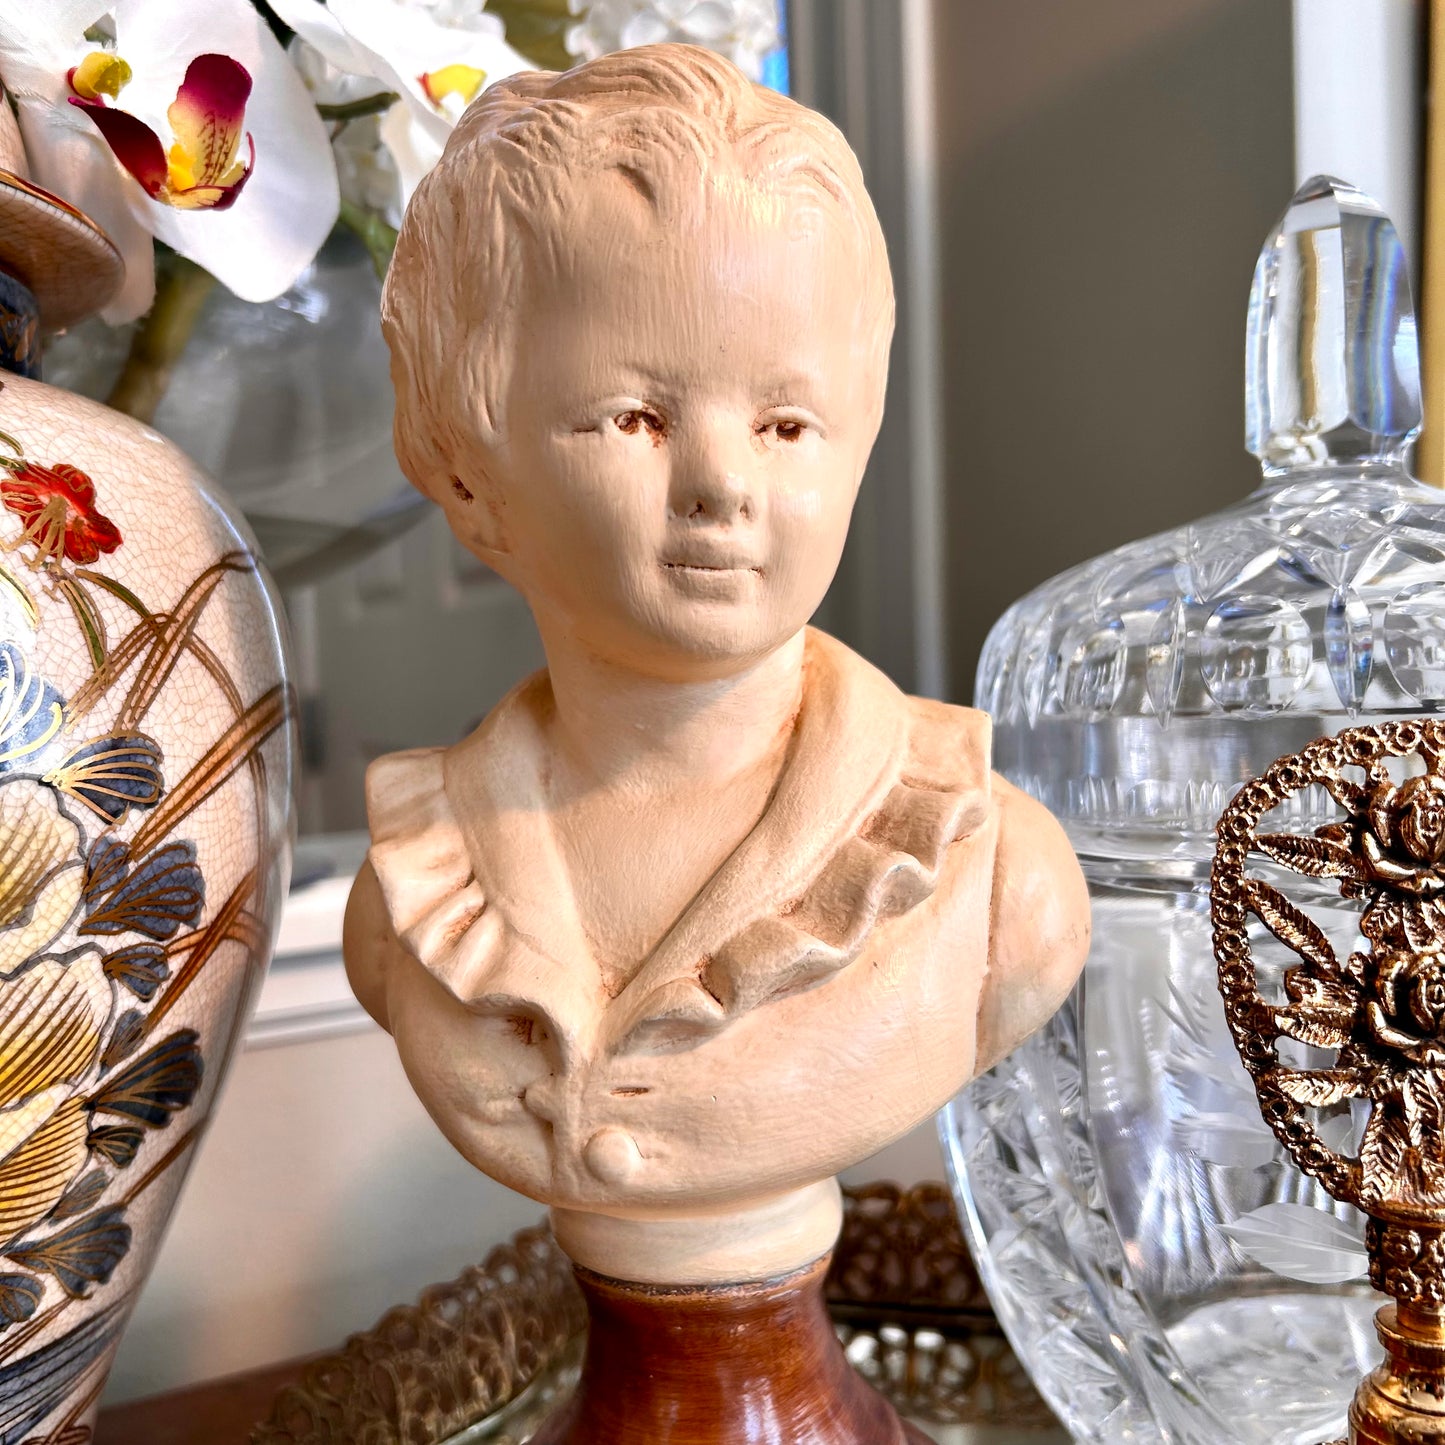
x=135 y=145
x=46 y=34
x=207 y=114
x=321 y=30
x=708 y=23
x=399 y=47
x=413 y=147
x=644 y=28
x=404 y=45
x=162 y=38
x=404 y=75
x=71 y=18
x=259 y=243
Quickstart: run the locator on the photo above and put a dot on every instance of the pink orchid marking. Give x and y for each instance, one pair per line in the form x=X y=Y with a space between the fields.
x=203 y=170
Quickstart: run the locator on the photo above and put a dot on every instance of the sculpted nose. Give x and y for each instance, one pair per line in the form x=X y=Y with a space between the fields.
x=712 y=482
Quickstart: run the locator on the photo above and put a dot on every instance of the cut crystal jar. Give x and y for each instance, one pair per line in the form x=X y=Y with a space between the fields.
x=1163 y=1270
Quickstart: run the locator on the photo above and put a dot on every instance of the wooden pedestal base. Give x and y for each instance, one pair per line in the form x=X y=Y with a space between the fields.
x=729 y=1365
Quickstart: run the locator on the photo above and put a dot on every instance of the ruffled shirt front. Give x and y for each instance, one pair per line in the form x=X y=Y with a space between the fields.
x=875 y=791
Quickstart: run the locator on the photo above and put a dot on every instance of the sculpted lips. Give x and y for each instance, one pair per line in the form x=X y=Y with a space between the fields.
x=711 y=567
x=701 y=558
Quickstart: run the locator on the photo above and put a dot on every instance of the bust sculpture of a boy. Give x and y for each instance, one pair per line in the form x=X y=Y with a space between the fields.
x=707 y=910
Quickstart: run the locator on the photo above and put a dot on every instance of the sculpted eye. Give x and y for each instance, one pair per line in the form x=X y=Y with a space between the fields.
x=783 y=429
x=640 y=420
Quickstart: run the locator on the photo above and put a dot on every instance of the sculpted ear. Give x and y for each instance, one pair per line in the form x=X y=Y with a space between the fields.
x=457 y=473
x=446 y=450
x=476 y=514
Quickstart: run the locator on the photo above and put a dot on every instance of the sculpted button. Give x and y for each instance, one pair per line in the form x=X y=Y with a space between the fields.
x=612 y=1155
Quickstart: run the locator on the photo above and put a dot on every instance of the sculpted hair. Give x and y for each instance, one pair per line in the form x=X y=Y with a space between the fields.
x=673 y=122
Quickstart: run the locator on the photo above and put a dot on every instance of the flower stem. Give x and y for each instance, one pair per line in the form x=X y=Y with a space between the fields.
x=374 y=233
x=354 y=109
x=160 y=339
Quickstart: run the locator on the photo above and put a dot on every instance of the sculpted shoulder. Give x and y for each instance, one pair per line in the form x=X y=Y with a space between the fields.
x=1038 y=926
x=949 y=741
x=368 y=943
x=1039 y=935
x=417 y=860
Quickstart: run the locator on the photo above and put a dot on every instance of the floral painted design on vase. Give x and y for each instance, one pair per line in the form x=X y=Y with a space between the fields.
x=144 y=782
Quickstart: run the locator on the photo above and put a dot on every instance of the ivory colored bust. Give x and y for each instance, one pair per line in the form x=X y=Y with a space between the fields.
x=707 y=910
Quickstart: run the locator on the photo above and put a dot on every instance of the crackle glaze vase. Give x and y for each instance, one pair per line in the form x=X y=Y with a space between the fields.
x=145 y=760
x=1161 y=1266
x=145 y=785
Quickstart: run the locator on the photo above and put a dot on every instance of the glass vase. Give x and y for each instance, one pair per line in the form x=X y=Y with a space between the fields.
x=1163 y=1270
x=286 y=403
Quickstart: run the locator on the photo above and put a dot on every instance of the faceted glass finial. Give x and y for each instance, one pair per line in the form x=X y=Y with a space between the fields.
x=1332 y=370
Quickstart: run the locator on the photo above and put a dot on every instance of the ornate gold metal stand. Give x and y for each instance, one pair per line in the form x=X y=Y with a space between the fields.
x=489 y=1355
x=1381 y=1010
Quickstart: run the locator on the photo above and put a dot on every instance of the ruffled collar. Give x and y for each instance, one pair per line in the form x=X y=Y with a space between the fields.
x=875 y=788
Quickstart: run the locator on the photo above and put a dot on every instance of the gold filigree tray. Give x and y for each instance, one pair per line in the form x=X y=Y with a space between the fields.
x=487 y=1356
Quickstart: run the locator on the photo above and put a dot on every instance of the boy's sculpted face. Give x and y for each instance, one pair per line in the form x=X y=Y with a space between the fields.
x=689 y=416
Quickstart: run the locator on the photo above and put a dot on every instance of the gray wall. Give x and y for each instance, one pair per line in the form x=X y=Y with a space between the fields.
x=1108 y=171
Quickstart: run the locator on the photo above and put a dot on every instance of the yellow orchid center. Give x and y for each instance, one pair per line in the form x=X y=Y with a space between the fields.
x=462 y=81
x=181 y=169
x=210 y=155
x=100 y=73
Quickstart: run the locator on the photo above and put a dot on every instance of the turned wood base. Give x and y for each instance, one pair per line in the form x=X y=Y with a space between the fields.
x=754 y=1364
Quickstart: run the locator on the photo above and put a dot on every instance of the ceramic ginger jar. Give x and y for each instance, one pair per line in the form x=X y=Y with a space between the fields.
x=144 y=802
x=145 y=771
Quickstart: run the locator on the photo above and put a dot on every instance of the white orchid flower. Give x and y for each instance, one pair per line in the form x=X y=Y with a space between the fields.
x=364 y=166
x=189 y=125
x=743 y=30
x=436 y=68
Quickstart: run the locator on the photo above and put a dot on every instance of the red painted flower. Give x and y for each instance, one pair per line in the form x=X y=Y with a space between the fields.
x=203 y=169
x=57 y=505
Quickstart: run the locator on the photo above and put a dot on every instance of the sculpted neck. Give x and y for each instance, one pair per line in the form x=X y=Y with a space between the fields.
x=622 y=727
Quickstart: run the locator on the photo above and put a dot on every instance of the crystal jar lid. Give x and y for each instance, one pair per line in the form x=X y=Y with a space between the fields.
x=1141 y=688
